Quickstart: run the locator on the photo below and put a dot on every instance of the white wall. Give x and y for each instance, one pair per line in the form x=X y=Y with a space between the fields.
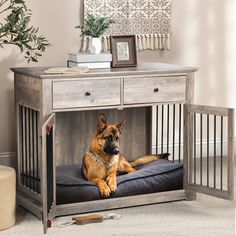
x=203 y=33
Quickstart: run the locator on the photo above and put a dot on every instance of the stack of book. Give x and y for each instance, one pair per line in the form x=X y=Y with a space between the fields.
x=92 y=61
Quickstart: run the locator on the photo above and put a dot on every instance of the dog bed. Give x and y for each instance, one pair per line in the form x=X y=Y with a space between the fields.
x=156 y=176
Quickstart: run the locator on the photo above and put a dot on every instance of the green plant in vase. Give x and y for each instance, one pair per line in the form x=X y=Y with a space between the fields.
x=15 y=30
x=95 y=27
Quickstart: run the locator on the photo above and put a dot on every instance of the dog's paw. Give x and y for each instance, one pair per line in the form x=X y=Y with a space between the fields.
x=131 y=170
x=112 y=183
x=105 y=191
x=113 y=186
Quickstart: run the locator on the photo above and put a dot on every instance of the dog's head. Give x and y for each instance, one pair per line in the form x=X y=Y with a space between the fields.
x=108 y=136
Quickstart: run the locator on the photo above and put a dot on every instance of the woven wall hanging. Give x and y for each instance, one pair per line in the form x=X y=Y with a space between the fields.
x=149 y=20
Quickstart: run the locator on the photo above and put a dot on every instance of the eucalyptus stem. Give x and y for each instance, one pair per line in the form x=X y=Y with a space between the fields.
x=15 y=30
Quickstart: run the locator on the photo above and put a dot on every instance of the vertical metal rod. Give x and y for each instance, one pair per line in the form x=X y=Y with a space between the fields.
x=221 y=152
x=180 y=118
x=162 y=128
x=173 y=143
x=194 y=150
x=26 y=147
x=33 y=151
x=207 y=150
x=30 y=147
x=37 y=153
x=201 y=149
x=22 y=143
x=214 y=151
x=157 y=123
x=168 y=121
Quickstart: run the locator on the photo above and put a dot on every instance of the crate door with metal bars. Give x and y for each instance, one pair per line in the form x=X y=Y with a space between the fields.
x=36 y=174
x=209 y=148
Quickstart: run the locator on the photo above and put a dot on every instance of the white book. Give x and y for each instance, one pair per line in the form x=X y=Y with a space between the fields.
x=89 y=57
x=91 y=65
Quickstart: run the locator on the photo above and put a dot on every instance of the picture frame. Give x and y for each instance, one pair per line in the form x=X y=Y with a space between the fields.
x=123 y=49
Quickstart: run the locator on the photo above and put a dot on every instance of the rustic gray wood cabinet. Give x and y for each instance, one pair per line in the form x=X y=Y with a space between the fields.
x=56 y=116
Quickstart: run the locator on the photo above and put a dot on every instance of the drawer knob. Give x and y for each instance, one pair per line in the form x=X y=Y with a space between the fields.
x=87 y=94
x=155 y=90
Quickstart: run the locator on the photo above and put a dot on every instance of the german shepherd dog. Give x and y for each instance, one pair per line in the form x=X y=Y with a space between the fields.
x=102 y=161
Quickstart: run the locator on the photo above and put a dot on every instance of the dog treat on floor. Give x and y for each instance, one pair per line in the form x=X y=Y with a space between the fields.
x=81 y=220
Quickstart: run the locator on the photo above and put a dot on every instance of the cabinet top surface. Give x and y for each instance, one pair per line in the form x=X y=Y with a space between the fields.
x=142 y=69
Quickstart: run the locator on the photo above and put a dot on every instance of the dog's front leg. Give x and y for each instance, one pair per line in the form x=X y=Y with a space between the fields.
x=111 y=181
x=104 y=189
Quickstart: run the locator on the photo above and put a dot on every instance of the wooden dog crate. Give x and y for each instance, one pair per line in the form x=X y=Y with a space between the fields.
x=57 y=115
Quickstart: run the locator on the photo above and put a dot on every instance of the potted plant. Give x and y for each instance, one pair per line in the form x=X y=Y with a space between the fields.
x=15 y=30
x=95 y=27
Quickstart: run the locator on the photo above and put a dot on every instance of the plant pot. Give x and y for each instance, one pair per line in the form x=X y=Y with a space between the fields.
x=95 y=45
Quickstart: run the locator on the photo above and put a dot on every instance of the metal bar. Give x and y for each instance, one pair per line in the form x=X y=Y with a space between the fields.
x=214 y=151
x=221 y=152
x=180 y=117
x=37 y=154
x=200 y=149
x=26 y=146
x=157 y=123
x=30 y=147
x=33 y=144
x=208 y=150
x=162 y=128
x=168 y=128
x=173 y=143
x=194 y=150
x=22 y=141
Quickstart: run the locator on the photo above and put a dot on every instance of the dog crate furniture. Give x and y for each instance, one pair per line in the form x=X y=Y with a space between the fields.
x=56 y=116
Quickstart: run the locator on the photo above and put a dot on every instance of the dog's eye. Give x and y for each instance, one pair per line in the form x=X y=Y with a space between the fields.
x=109 y=138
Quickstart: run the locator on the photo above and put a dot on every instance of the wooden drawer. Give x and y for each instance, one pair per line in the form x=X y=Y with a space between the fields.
x=154 y=89
x=72 y=94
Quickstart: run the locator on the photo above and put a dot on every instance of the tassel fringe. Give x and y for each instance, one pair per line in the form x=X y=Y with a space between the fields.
x=143 y=42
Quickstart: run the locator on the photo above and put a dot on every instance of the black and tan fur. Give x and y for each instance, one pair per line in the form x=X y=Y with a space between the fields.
x=102 y=161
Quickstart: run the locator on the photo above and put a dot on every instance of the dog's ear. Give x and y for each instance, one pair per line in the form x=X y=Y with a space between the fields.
x=121 y=125
x=102 y=122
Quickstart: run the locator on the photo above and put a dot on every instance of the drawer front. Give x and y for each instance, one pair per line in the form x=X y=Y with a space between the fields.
x=154 y=89
x=72 y=94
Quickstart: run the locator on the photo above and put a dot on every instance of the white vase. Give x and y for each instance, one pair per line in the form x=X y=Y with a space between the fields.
x=95 y=45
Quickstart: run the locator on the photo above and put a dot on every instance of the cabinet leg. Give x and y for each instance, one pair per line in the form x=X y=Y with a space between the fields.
x=190 y=195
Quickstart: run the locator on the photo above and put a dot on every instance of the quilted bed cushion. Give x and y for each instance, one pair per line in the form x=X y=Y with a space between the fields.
x=157 y=176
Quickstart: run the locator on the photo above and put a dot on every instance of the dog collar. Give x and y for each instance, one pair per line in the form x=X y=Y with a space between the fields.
x=98 y=159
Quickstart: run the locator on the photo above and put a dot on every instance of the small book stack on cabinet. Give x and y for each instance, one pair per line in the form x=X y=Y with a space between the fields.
x=92 y=61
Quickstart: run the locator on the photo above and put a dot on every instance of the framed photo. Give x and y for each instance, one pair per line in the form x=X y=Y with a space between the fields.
x=123 y=49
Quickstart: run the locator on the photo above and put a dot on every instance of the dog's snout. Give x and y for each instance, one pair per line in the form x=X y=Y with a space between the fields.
x=116 y=150
x=111 y=150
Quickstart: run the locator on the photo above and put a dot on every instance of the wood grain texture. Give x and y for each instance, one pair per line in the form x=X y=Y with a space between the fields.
x=29 y=204
x=72 y=94
x=154 y=89
x=73 y=127
x=142 y=69
x=230 y=163
x=113 y=203
x=211 y=110
x=27 y=91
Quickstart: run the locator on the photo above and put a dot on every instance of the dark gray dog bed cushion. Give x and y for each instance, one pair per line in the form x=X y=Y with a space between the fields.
x=157 y=176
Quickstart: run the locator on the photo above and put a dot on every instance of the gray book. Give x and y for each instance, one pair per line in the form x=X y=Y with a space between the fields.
x=89 y=57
